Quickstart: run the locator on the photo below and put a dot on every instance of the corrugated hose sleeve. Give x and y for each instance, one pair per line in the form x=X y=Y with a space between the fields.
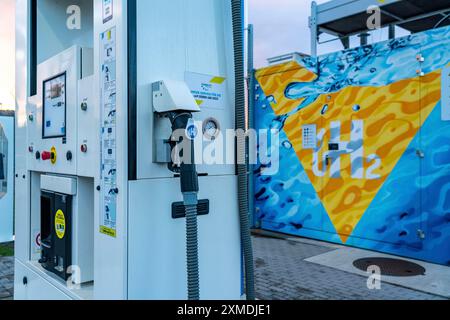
x=246 y=241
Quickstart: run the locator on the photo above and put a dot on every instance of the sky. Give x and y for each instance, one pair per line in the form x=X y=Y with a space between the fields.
x=7 y=54
x=281 y=26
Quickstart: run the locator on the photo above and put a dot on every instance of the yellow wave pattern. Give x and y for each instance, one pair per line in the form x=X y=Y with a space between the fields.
x=275 y=79
x=392 y=117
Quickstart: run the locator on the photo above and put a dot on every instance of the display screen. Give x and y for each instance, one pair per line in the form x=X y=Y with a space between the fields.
x=54 y=107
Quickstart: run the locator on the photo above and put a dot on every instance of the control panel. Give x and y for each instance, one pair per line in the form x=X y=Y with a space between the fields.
x=61 y=122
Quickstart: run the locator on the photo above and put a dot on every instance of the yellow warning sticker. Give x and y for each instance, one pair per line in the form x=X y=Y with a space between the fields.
x=108 y=231
x=60 y=224
x=218 y=80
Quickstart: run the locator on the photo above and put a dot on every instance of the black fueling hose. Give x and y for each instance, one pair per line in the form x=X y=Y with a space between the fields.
x=189 y=189
x=238 y=39
x=193 y=278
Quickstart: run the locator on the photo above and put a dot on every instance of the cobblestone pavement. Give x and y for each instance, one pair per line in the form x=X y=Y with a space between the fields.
x=6 y=277
x=282 y=274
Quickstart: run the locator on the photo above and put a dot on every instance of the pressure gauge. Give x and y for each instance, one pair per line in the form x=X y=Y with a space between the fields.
x=211 y=128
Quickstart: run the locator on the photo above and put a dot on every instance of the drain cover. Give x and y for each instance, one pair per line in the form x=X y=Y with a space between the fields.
x=391 y=267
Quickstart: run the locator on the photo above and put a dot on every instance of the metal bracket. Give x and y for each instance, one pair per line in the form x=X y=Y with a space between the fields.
x=179 y=210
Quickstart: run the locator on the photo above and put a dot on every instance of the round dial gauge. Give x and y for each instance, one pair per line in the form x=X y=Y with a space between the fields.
x=211 y=128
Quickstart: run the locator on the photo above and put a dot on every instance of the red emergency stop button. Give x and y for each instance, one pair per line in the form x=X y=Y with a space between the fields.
x=49 y=155
x=46 y=155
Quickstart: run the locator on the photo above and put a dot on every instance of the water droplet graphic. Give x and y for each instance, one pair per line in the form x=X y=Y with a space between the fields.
x=278 y=123
x=324 y=109
x=356 y=107
x=271 y=99
x=287 y=145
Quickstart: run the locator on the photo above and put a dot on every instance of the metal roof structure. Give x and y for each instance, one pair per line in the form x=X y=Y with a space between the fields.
x=286 y=57
x=344 y=18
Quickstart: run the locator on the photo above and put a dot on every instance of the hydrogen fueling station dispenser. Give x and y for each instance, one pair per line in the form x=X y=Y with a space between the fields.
x=117 y=102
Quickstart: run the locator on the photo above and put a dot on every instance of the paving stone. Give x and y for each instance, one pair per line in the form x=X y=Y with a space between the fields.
x=282 y=274
x=6 y=277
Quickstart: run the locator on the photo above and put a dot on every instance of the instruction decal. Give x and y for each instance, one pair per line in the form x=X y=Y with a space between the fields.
x=108 y=210
x=209 y=91
x=107 y=10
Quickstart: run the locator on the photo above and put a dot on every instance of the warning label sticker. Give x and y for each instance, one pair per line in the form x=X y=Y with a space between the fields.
x=60 y=224
x=209 y=91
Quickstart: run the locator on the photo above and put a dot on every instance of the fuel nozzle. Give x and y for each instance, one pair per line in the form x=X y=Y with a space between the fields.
x=174 y=100
x=186 y=166
x=183 y=133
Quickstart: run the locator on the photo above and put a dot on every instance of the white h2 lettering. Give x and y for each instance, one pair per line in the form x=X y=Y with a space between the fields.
x=355 y=148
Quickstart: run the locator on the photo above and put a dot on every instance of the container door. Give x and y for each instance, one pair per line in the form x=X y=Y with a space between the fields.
x=380 y=195
x=435 y=161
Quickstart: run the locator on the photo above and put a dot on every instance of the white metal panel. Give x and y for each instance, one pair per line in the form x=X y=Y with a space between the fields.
x=41 y=285
x=83 y=230
x=22 y=182
x=36 y=288
x=62 y=185
x=110 y=261
x=175 y=37
x=157 y=257
x=55 y=31
x=87 y=62
x=35 y=217
x=88 y=130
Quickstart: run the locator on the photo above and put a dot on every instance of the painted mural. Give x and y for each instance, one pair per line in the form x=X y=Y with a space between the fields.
x=364 y=150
